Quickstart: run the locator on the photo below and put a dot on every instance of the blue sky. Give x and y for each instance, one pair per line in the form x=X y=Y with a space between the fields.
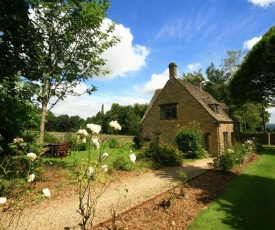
x=191 y=33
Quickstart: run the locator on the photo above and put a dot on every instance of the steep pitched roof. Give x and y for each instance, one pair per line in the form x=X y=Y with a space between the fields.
x=152 y=102
x=205 y=99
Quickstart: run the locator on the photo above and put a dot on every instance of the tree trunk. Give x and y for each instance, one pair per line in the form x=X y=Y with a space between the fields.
x=42 y=123
x=244 y=123
x=263 y=117
x=45 y=101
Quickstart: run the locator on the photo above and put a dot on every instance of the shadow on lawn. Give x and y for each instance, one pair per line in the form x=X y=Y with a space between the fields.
x=249 y=203
x=59 y=163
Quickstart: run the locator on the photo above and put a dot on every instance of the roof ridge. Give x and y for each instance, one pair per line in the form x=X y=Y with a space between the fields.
x=198 y=95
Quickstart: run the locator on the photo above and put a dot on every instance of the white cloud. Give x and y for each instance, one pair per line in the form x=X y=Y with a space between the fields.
x=194 y=67
x=272 y=117
x=89 y=105
x=157 y=81
x=125 y=57
x=262 y=3
x=122 y=58
x=250 y=43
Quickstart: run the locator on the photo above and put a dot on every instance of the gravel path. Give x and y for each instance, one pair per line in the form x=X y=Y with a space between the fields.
x=61 y=214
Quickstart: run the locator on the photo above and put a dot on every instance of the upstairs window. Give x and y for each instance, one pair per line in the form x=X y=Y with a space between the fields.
x=168 y=111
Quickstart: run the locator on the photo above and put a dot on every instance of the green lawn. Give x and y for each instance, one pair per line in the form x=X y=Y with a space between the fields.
x=76 y=157
x=248 y=202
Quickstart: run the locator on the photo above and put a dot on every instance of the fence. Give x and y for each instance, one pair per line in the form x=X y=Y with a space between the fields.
x=121 y=138
x=264 y=138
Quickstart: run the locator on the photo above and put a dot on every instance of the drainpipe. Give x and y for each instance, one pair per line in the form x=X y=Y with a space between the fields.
x=217 y=124
x=219 y=140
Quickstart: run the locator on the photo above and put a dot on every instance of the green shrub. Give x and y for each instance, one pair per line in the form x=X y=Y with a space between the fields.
x=80 y=147
x=190 y=141
x=254 y=145
x=25 y=160
x=137 y=142
x=75 y=145
x=122 y=163
x=30 y=137
x=113 y=142
x=162 y=154
x=225 y=162
x=49 y=138
x=231 y=158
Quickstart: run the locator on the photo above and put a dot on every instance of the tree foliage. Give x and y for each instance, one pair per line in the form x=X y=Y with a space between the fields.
x=128 y=117
x=67 y=39
x=217 y=84
x=255 y=79
x=17 y=111
x=193 y=77
x=218 y=81
x=250 y=117
x=64 y=123
x=17 y=36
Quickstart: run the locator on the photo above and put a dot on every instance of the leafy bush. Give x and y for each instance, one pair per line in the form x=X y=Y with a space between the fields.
x=162 y=154
x=30 y=137
x=190 y=141
x=113 y=142
x=80 y=147
x=20 y=168
x=49 y=138
x=225 y=162
x=257 y=146
x=232 y=157
x=122 y=163
x=137 y=142
x=75 y=145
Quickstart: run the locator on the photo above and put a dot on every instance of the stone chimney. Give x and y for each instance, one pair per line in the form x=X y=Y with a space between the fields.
x=199 y=83
x=172 y=70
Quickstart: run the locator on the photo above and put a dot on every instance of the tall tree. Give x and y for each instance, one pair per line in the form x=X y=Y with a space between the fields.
x=193 y=77
x=17 y=36
x=255 y=79
x=17 y=112
x=217 y=84
x=128 y=117
x=76 y=123
x=70 y=37
x=250 y=117
x=231 y=63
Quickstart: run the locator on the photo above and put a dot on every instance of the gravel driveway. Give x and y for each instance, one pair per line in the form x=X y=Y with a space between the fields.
x=61 y=214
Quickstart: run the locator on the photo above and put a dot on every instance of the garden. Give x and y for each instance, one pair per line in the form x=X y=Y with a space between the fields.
x=30 y=180
x=49 y=52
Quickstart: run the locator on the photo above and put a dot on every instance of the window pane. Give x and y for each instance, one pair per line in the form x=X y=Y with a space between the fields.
x=168 y=112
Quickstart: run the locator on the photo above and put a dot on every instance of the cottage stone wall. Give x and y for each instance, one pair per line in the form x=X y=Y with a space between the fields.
x=229 y=129
x=188 y=109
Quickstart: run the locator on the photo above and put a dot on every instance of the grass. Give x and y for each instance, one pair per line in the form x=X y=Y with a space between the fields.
x=76 y=157
x=248 y=202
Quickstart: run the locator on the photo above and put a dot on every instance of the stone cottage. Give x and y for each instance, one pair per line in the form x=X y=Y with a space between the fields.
x=178 y=104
